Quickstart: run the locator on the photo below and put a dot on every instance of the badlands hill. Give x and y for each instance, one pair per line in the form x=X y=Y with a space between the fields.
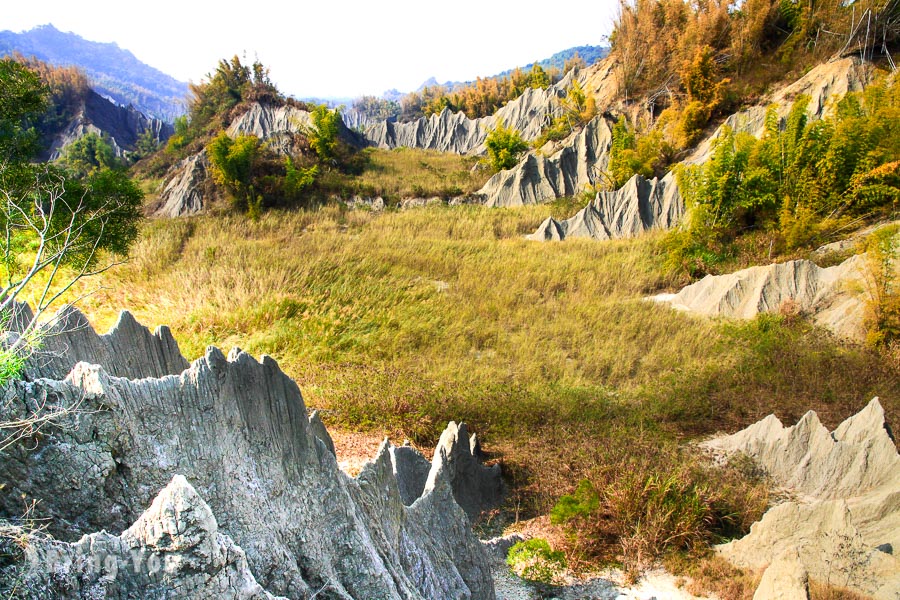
x=216 y=482
x=210 y=477
x=120 y=126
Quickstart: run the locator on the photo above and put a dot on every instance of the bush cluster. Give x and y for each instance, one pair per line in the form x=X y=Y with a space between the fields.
x=799 y=182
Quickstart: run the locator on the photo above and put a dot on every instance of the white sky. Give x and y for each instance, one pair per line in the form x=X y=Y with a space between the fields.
x=335 y=49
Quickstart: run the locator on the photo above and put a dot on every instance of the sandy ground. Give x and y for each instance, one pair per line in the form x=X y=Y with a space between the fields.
x=657 y=585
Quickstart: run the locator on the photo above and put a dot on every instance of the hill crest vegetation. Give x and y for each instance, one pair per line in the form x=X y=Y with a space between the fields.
x=709 y=57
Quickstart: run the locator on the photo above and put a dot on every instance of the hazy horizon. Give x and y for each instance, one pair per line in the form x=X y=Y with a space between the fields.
x=358 y=49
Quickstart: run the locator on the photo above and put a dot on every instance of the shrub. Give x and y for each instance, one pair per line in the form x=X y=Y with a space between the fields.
x=800 y=181
x=231 y=162
x=883 y=319
x=650 y=502
x=504 y=146
x=633 y=154
x=323 y=134
x=534 y=559
x=584 y=501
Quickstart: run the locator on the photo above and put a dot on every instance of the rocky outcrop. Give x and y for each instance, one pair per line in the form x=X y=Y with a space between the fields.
x=184 y=188
x=636 y=207
x=173 y=550
x=834 y=297
x=277 y=125
x=121 y=126
x=785 y=579
x=847 y=515
x=476 y=488
x=825 y=84
x=538 y=179
x=455 y=132
x=238 y=431
x=128 y=350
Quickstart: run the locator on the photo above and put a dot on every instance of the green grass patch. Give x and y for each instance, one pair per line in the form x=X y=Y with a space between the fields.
x=399 y=322
x=408 y=173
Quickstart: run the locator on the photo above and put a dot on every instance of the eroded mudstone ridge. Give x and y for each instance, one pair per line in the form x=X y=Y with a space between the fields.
x=834 y=297
x=455 y=132
x=252 y=494
x=537 y=178
x=638 y=206
x=476 y=488
x=845 y=522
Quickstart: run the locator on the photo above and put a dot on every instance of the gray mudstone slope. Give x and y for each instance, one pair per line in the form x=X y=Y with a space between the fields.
x=538 y=178
x=844 y=525
x=476 y=488
x=541 y=179
x=237 y=430
x=185 y=189
x=636 y=207
x=455 y=132
x=121 y=126
x=834 y=297
x=825 y=84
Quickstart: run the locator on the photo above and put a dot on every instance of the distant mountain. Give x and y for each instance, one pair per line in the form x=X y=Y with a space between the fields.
x=113 y=71
x=590 y=54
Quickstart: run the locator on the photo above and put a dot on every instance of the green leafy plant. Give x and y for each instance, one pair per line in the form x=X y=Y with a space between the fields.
x=534 y=559
x=883 y=317
x=323 y=133
x=504 y=146
x=581 y=503
x=800 y=181
x=231 y=162
x=89 y=153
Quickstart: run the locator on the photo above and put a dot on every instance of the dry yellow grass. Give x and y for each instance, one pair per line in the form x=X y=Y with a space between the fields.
x=404 y=320
x=395 y=323
x=407 y=173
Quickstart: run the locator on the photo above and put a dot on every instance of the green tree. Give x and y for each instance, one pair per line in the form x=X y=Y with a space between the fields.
x=147 y=143
x=24 y=99
x=538 y=77
x=231 y=162
x=57 y=228
x=504 y=146
x=87 y=154
x=323 y=133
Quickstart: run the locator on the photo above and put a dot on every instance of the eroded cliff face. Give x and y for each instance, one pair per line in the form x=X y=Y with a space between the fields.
x=835 y=298
x=636 y=207
x=121 y=125
x=455 y=132
x=844 y=525
x=186 y=188
x=538 y=178
x=231 y=434
x=612 y=214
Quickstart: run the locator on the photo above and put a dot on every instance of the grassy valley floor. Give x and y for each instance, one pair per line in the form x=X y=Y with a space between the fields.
x=396 y=323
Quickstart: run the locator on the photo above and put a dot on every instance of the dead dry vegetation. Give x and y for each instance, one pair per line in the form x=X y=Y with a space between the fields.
x=396 y=323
